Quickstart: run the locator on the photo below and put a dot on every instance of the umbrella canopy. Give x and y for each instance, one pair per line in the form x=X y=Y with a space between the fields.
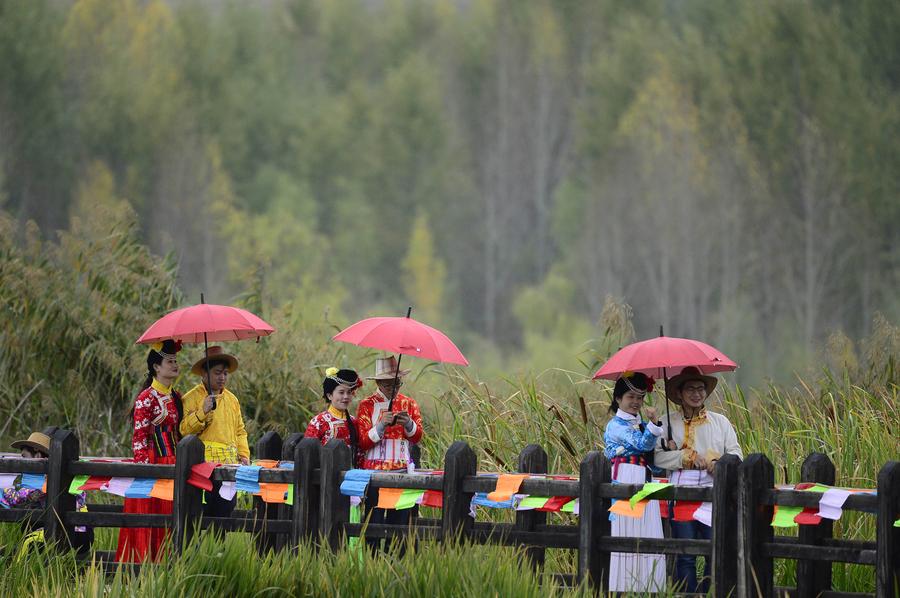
x=405 y=336
x=206 y=322
x=665 y=356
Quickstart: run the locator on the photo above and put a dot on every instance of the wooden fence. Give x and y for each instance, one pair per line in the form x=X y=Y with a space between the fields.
x=742 y=548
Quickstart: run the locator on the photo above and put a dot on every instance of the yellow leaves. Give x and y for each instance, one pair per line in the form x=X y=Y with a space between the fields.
x=424 y=273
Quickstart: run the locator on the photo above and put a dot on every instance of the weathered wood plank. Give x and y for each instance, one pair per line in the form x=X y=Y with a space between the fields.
x=814 y=576
x=19 y=465
x=306 y=491
x=334 y=507
x=118 y=519
x=725 y=527
x=821 y=554
x=755 y=476
x=459 y=462
x=593 y=520
x=532 y=459
x=64 y=448
x=267 y=447
x=123 y=470
x=187 y=507
x=887 y=567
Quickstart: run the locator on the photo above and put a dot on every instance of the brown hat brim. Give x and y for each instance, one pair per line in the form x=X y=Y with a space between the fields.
x=36 y=446
x=389 y=375
x=199 y=368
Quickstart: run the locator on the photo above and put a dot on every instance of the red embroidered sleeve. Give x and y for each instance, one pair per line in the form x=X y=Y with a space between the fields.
x=315 y=429
x=140 y=440
x=364 y=424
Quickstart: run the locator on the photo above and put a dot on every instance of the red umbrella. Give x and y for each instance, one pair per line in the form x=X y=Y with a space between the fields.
x=664 y=355
x=405 y=336
x=206 y=322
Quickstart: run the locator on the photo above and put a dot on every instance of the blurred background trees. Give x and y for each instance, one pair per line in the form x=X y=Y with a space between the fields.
x=730 y=171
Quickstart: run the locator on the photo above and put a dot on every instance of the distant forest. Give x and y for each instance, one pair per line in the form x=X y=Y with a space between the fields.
x=729 y=170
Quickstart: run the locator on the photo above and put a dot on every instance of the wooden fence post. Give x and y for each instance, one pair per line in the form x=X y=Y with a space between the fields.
x=267 y=447
x=724 y=529
x=188 y=504
x=755 y=476
x=593 y=520
x=64 y=448
x=305 y=525
x=285 y=511
x=532 y=459
x=887 y=537
x=334 y=507
x=814 y=577
x=460 y=461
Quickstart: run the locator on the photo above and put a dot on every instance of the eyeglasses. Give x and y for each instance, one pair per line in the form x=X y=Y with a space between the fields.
x=700 y=390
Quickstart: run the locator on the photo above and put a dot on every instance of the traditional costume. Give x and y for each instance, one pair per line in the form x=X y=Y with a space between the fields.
x=332 y=423
x=629 y=447
x=155 y=435
x=386 y=447
x=708 y=435
x=222 y=429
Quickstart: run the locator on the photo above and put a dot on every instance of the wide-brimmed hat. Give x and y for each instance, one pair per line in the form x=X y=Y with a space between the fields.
x=214 y=354
x=386 y=369
x=38 y=441
x=687 y=374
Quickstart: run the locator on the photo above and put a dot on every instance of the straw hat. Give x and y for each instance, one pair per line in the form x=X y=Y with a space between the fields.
x=386 y=369
x=674 y=383
x=215 y=354
x=37 y=442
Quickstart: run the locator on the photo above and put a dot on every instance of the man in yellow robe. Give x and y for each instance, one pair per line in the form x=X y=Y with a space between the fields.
x=213 y=413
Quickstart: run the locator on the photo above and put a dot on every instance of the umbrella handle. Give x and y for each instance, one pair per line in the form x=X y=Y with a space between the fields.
x=206 y=356
x=397 y=371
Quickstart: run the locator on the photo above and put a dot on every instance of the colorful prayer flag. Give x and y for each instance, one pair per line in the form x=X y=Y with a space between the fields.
x=784 y=516
x=77 y=482
x=648 y=489
x=507 y=485
x=555 y=504
x=163 y=489
x=532 y=502
x=623 y=507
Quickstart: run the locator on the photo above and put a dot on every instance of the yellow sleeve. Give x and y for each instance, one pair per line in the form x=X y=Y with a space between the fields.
x=194 y=420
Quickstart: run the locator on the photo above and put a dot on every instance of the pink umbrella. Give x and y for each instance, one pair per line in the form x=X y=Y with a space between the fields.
x=663 y=356
x=405 y=336
x=206 y=322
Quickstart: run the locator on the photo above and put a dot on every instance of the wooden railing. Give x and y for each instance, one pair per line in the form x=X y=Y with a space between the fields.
x=741 y=550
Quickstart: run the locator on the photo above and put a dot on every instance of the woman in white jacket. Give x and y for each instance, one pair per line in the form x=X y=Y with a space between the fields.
x=699 y=438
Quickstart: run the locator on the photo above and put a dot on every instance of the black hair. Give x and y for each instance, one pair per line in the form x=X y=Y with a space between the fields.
x=638 y=380
x=153 y=359
x=328 y=386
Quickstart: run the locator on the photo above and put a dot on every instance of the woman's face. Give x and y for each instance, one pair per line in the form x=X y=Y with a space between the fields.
x=631 y=402
x=168 y=369
x=341 y=397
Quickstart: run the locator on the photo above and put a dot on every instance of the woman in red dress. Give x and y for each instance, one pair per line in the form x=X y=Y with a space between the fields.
x=338 y=389
x=157 y=412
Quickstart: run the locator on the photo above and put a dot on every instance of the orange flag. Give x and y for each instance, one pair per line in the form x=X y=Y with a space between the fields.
x=164 y=489
x=624 y=508
x=388 y=497
x=267 y=463
x=272 y=492
x=507 y=485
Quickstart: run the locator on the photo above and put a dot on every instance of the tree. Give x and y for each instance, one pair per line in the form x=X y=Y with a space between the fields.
x=424 y=273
